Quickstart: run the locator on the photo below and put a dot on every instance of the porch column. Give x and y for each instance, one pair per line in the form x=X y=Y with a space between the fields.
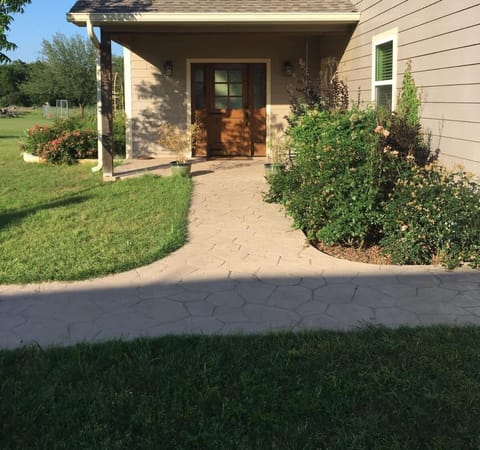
x=107 y=118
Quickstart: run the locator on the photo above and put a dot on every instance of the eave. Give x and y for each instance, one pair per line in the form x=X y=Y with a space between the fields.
x=98 y=19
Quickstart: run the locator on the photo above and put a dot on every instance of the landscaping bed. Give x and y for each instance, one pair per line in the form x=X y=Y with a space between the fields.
x=370 y=255
x=366 y=185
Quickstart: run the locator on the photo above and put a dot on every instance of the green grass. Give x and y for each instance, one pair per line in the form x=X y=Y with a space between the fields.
x=370 y=389
x=64 y=223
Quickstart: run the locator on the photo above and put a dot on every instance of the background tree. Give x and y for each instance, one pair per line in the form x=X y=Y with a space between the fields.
x=39 y=87
x=66 y=70
x=12 y=77
x=7 y=8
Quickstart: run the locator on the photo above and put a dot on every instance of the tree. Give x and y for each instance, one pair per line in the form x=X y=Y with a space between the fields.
x=39 y=87
x=66 y=70
x=7 y=8
x=12 y=76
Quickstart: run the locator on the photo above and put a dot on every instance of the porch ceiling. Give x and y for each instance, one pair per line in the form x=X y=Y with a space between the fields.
x=127 y=13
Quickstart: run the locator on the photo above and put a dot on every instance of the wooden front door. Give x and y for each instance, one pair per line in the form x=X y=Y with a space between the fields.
x=229 y=104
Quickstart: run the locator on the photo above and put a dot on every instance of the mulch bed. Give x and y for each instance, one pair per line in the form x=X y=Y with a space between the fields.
x=370 y=255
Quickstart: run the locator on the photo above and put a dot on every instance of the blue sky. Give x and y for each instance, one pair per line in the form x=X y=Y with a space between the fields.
x=41 y=20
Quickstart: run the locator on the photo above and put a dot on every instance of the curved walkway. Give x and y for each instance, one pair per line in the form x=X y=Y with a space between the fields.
x=244 y=270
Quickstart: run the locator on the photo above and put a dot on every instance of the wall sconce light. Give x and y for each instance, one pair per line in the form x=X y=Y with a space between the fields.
x=287 y=69
x=168 y=68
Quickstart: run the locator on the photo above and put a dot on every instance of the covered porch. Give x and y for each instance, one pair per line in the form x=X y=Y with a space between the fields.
x=227 y=68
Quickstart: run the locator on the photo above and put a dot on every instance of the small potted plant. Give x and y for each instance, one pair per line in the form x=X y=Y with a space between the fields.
x=279 y=147
x=179 y=141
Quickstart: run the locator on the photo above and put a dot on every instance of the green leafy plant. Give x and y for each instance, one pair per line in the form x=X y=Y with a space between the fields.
x=331 y=191
x=36 y=138
x=408 y=105
x=119 y=136
x=63 y=142
x=433 y=215
x=366 y=177
x=70 y=146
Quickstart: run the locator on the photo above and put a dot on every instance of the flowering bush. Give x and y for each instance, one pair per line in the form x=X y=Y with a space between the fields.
x=37 y=137
x=360 y=180
x=62 y=142
x=433 y=215
x=69 y=146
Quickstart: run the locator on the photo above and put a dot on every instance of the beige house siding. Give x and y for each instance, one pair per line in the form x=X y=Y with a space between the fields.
x=442 y=39
x=156 y=98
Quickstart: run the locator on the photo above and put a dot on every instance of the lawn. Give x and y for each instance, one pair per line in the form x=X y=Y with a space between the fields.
x=64 y=223
x=368 y=389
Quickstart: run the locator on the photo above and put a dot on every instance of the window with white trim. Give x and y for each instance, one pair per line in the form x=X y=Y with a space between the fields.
x=383 y=70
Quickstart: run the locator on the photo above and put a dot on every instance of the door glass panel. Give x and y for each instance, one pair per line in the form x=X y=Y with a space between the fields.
x=221 y=76
x=198 y=86
x=199 y=96
x=259 y=94
x=235 y=76
x=221 y=103
x=228 y=88
x=236 y=102
x=221 y=89
x=198 y=75
x=236 y=90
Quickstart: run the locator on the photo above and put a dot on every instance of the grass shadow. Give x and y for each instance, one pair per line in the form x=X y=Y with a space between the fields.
x=10 y=218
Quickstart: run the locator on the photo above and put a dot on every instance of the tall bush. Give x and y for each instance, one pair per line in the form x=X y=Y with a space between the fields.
x=363 y=178
x=324 y=93
x=332 y=189
x=408 y=105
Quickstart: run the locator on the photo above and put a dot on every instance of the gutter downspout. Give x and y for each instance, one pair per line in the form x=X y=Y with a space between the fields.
x=96 y=43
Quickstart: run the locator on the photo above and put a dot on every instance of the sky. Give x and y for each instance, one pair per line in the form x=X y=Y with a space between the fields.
x=41 y=20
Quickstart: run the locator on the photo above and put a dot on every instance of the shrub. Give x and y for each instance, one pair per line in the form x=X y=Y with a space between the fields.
x=38 y=136
x=326 y=92
x=361 y=178
x=63 y=142
x=119 y=140
x=434 y=214
x=69 y=146
x=408 y=105
x=332 y=190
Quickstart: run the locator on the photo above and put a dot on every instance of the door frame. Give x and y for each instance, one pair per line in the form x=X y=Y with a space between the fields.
x=266 y=61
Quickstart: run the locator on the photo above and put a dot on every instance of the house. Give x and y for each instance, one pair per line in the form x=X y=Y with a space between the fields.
x=441 y=38
x=228 y=64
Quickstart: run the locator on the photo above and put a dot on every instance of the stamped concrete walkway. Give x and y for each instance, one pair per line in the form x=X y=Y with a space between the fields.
x=244 y=270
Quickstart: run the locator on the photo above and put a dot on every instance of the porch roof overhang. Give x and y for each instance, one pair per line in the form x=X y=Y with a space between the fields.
x=195 y=13
x=202 y=18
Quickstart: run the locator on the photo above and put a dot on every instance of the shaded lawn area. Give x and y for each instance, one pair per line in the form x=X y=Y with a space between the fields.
x=367 y=389
x=64 y=223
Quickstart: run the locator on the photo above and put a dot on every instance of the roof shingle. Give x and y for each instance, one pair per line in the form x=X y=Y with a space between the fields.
x=212 y=6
